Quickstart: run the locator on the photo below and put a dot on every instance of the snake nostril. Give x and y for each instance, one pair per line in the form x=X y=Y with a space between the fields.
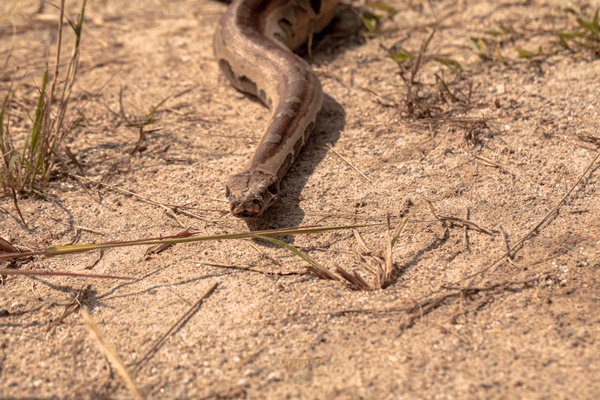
x=273 y=189
x=285 y=23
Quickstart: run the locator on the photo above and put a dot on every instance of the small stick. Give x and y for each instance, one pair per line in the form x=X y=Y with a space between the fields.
x=528 y=235
x=466 y=231
x=491 y=163
x=251 y=269
x=180 y=323
x=348 y=162
x=167 y=207
x=388 y=270
x=506 y=245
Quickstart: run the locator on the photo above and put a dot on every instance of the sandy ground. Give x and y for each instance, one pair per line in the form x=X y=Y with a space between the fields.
x=501 y=148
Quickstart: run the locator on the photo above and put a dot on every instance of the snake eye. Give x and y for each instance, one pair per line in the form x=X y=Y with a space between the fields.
x=227 y=191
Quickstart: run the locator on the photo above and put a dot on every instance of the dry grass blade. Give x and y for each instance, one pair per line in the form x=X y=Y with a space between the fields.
x=528 y=235
x=467 y=224
x=590 y=139
x=176 y=239
x=173 y=208
x=7 y=247
x=361 y=242
x=110 y=353
x=383 y=265
x=353 y=281
x=313 y=266
x=28 y=272
x=460 y=221
x=417 y=309
x=75 y=305
x=431 y=303
x=386 y=275
x=402 y=224
x=251 y=269
x=492 y=163
x=384 y=270
x=380 y=99
x=412 y=100
x=157 y=248
x=329 y=146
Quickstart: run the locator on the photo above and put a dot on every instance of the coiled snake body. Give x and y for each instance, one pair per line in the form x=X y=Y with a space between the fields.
x=254 y=45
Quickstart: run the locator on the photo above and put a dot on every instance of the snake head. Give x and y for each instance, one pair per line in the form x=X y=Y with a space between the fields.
x=251 y=192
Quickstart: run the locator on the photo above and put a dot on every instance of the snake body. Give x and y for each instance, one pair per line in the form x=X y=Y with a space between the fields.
x=254 y=45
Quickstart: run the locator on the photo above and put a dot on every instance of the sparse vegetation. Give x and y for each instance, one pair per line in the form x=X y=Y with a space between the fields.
x=424 y=98
x=484 y=244
x=585 y=36
x=27 y=168
x=581 y=34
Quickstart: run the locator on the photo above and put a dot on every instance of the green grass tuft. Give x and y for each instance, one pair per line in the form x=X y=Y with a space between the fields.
x=585 y=37
x=28 y=168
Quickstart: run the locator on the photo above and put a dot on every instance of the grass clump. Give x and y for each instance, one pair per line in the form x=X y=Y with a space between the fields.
x=578 y=34
x=27 y=168
x=585 y=36
x=426 y=98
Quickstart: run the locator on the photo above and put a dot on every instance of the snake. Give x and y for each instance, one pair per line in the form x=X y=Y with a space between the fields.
x=254 y=46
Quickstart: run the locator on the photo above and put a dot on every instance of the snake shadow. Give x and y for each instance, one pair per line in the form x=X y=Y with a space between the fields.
x=343 y=34
x=286 y=212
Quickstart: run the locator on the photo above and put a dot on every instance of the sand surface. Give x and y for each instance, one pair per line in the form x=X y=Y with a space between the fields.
x=495 y=153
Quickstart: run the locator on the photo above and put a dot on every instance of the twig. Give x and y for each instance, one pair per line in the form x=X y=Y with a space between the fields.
x=461 y=221
x=167 y=207
x=492 y=163
x=466 y=230
x=348 y=162
x=72 y=307
x=251 y=269
x=180 y=323
x=430 y=303
x=511 y=252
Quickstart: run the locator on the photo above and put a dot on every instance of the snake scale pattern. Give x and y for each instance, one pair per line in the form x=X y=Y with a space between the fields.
x=254 y=45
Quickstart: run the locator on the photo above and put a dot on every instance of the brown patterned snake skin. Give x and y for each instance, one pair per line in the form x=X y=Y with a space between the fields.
x=254 y=46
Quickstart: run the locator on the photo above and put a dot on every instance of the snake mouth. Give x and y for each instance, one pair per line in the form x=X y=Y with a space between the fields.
x=243 y=205
x=246 y=209
x=250 y=193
